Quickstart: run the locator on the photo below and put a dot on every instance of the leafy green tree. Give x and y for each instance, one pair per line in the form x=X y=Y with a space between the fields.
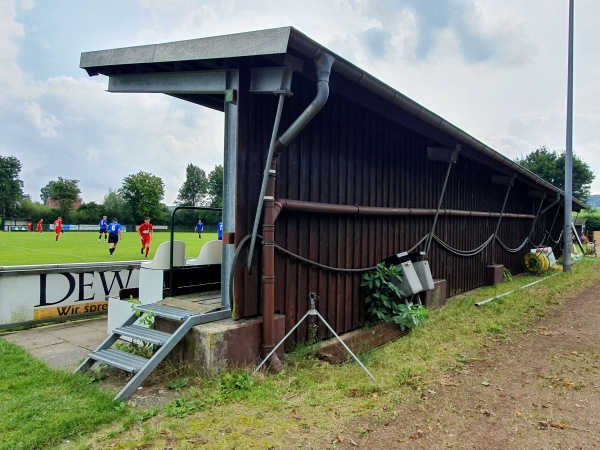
x=215 y=187
x=34 y=211
x=143 y=193
x=115 y=206
x=593 y=221
x=550 y=166
x=89 y=213
x=214 y=199
x=11 y=187
x=64 y=192
x=45 y=194
x=193 y=192
x=195 y=187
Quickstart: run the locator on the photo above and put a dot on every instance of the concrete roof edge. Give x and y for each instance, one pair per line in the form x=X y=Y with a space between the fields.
x=250 y=43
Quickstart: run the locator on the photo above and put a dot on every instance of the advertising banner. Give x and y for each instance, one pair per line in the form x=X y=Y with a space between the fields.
x=34 y=293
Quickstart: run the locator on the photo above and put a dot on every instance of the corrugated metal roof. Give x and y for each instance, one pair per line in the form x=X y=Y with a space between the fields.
x=279 y=41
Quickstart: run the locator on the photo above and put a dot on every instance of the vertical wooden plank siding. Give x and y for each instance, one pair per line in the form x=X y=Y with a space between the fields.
x=349 y=155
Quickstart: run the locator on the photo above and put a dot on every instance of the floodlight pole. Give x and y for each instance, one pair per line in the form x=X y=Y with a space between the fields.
x=567 y=236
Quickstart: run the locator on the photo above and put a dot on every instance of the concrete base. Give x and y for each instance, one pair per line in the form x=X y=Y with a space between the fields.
x=436 y=297
x=216 y=347
x=494 y=274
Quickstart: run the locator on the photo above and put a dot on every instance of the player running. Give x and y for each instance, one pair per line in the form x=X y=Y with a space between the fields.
x=146 y=234
x=39 y=226
x=114 y=236
x=58 y=227
x=103 y=224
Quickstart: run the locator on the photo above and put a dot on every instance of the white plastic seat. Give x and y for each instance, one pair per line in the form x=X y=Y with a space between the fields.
x=210 y=253
x=162 y=256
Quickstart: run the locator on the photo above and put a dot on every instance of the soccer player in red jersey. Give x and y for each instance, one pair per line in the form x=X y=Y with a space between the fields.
x=58 y=227
x=39 y=225
x=146 y=234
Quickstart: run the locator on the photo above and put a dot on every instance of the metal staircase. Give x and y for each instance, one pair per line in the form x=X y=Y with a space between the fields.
x=142 y=367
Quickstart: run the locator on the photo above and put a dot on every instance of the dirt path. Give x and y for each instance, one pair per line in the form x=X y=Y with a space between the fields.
x=539 y=390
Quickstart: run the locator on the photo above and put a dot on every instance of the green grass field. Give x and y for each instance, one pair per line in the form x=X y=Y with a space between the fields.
x=19 y=248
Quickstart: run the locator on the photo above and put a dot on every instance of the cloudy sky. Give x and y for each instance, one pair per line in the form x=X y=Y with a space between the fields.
x=496 y=69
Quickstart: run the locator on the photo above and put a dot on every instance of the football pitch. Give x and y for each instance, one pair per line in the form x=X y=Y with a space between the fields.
x=23 y=248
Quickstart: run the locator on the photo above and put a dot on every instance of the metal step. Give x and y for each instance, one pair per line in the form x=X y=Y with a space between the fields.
x=117 y=358
x=165 y=342
x=168 y=312
x=145 y=334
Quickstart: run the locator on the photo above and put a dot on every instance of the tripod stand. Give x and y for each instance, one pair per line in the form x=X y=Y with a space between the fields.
x=313 y=312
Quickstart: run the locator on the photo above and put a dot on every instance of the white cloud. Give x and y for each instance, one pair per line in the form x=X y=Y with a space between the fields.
x=495 y=69
x=45 y=123
x=12 y=79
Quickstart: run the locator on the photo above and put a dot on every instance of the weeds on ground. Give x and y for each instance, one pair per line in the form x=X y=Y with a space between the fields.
x=310 y=402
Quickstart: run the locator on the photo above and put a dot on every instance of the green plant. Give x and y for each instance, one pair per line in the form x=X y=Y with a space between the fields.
x=410 y=315
x=384 y=299
x=184 y=406
x=143 y=349
x=382 y=294
x=179 y=384
x=236 y=381
x=408 y=377
x=135 y=347
x=144 y=318
x=507 y=274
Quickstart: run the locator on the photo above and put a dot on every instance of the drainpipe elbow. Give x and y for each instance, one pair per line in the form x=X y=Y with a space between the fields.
x=323 y=66
x=275 y=364
x=277 y=208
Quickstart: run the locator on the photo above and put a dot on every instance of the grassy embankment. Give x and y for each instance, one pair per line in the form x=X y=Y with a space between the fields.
x=310 y=403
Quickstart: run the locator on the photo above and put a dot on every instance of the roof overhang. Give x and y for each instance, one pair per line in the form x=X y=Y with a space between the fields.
x=196 y=68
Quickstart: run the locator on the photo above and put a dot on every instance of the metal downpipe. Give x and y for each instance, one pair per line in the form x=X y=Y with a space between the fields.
x=452 y=161
x=510 y=185
x=536 y=216
x=556 y=201
x=323 y=65
x=263 y=186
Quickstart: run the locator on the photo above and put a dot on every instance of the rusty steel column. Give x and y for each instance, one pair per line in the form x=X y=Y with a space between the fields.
x=268 y=270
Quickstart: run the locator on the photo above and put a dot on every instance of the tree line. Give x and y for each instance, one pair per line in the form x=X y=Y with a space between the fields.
x=140 y=195
x=550 y=166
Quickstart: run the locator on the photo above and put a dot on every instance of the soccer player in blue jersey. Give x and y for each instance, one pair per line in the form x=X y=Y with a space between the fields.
x=199 y=228
x=220 y=231
x=114 y=235
x=103 y=229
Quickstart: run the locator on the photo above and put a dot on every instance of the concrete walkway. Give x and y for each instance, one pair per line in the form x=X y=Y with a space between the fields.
x=61 y=346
